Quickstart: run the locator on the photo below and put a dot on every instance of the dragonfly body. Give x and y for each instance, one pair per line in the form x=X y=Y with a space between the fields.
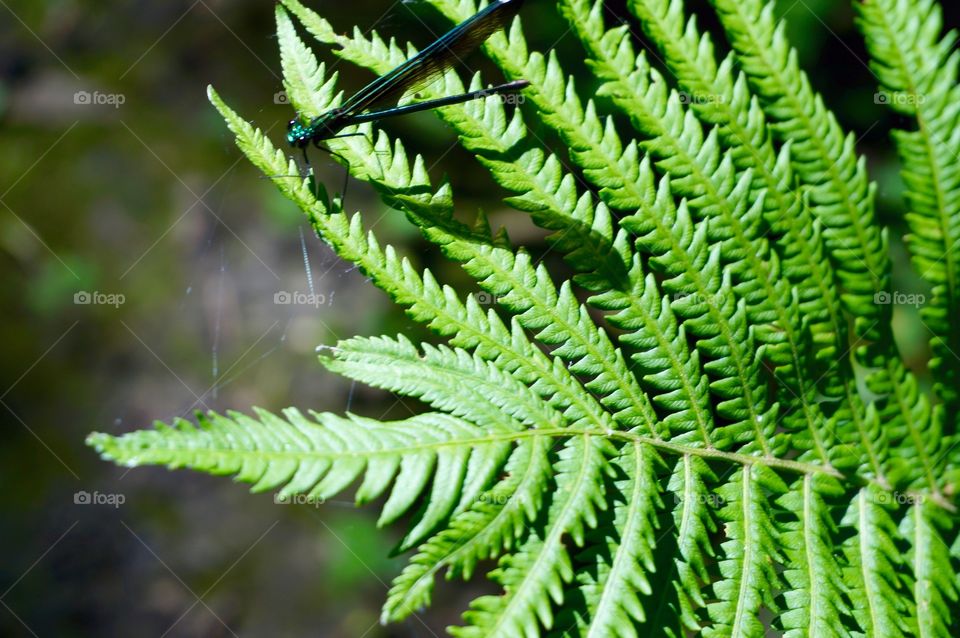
x=416 y=71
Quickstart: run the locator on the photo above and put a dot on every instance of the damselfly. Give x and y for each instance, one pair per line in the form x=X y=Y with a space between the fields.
x=416 y=72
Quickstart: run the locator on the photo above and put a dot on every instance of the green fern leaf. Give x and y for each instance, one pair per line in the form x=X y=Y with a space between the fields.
x=609 y=584
x=918 y=74
x=935 y=588
x=534 y=575
x=319 y=457
x=675 y=439
x=872 y=577
x=493 y=523
x=750 y=553
x=813 y=605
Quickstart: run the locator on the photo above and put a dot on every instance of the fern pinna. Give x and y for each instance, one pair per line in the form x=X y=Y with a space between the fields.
x=722 y=439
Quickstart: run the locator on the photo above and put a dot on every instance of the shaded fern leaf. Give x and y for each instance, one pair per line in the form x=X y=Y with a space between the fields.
x=610 y=573
x=934 y=588
x=678 y=601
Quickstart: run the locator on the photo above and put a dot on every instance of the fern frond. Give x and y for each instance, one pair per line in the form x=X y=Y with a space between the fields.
x=557 y=320
x=609 y=579
x=679 y=591
x=823 y=156
x=705 y=175
x=548 y=193
x=612 y=56
x=702 y=293
x=935 y=588
x=839 y=190
x=608 y=364
x=320 y=456
x=671 y=455
x=538 y=170
x=721 y=97
x=437 y=306
x=306 y=82
x=748 y=404
x=814 y=603
x=917 y=70
x=594 y=143
x=750 y=554
x=451 y=380
x=664 y=363
x=872 y=576
x=533 y=577
x=705 y=299
x=493 y=523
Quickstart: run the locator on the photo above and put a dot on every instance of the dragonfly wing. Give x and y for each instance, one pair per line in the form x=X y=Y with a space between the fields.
x=430 y=63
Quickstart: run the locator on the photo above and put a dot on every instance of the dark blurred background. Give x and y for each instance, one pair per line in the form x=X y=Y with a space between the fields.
x=119 y=184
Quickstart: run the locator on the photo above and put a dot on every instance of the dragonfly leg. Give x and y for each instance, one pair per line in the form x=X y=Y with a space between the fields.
x=306 y=161
x=346 y=178
x=346 y=174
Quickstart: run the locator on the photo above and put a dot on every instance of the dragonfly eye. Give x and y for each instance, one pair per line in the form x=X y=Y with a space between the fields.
x=291 y=124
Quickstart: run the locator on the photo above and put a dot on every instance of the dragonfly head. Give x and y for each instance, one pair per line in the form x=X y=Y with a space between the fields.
x=322 y=127
x=298 y=134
